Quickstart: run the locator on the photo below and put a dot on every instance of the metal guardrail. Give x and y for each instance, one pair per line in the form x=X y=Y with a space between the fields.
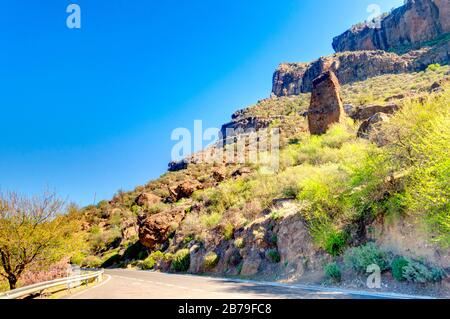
x=70 y=282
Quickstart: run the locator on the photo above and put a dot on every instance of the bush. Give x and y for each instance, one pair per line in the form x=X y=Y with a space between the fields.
x=359 y=258
x=397 y=266
x=333 y=272
x=210 y=261
x=433 y=67
x=418 y=272
x=77 y=259
x=239 y=243
x=332 y=240
x=148 y=263
x=274 y=255
x=181 y=260
x=228 y=231
x=91 y=262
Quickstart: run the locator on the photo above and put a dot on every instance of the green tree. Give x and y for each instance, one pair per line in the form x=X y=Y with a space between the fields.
x=33 y=232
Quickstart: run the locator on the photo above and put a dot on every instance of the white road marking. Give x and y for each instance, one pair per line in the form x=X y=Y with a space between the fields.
x=104 y=282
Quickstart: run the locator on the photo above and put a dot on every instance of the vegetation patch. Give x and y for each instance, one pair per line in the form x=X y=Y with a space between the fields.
x=181 y=260
x=333 y=272
x=359 y=258
x=210 y=260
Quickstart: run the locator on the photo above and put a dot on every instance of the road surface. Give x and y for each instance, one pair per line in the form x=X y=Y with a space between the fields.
x=133 y=284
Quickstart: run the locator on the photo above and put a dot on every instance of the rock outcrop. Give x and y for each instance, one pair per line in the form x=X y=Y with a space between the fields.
x=368 y=126
x=326 y=104
x=241 y=126
x=411 y=24
x=155 y=229
x=365 y=112
x=185 y=189
x=349 y=67
x=147 y=199
x=176 y=166
x=419 y=32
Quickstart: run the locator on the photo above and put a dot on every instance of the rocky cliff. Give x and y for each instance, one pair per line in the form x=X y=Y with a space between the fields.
x=419 y=31
x=415 y=22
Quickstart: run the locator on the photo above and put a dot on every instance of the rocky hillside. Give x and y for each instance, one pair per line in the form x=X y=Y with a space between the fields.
x=416 y=35
x=416 y=22
x=362 y=178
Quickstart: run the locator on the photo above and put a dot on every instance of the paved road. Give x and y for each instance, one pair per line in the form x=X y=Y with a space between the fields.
x=132 y=284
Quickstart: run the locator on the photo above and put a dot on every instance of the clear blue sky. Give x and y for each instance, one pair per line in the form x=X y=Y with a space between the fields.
x=91 y=111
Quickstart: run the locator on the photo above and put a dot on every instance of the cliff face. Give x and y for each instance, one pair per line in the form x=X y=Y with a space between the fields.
x=293 y=79
x=415 y=22
x=366 y=49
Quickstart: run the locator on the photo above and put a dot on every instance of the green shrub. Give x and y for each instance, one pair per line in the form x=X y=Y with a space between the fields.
x=333 y=272
x=274 y=255
x=326 y=236
x=418 y=272
x=91 y=262
x=210 y=260
x=433 y=67
x=336 y=242
x=239 y=243
x=397 y=266
x=290 y=191
x=152 y=259
x=77 y=259
x=359 y=258
x=276 y=215
x=181 y=260
x=228 y=231
x=148 y=263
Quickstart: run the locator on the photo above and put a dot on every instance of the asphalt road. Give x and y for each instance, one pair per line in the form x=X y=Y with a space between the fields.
x=132 y=284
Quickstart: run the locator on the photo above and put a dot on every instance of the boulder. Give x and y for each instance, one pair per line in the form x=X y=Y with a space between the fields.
x=175 y=166
x=185 y=189
x=147 y=199
x=219 y=174
x=326 y=104
x=363 y=113
x=369 y=126
x=437 y=86
x=243 y=171
x=155 y=229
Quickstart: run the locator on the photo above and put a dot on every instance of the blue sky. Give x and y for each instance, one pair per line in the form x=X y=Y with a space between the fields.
x=88 y=112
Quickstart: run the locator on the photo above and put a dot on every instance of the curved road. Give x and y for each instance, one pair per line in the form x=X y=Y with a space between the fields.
x=133 y=284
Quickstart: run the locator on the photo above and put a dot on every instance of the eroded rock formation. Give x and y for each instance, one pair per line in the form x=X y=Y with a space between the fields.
x=326 y=106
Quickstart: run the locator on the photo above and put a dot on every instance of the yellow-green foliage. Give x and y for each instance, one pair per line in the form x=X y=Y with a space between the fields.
x=181 y=260
x=210 y=260
x=420 y=136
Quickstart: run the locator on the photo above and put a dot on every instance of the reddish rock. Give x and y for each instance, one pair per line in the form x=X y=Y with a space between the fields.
x=185 y=189
x=147 y=199
x=411 y=24
x=155 y=229
x=326 y=106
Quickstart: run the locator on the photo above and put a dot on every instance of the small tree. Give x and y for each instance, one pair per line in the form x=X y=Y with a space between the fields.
x=32 y=232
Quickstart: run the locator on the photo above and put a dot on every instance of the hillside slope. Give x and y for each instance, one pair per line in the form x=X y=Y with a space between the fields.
x=372 y=190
